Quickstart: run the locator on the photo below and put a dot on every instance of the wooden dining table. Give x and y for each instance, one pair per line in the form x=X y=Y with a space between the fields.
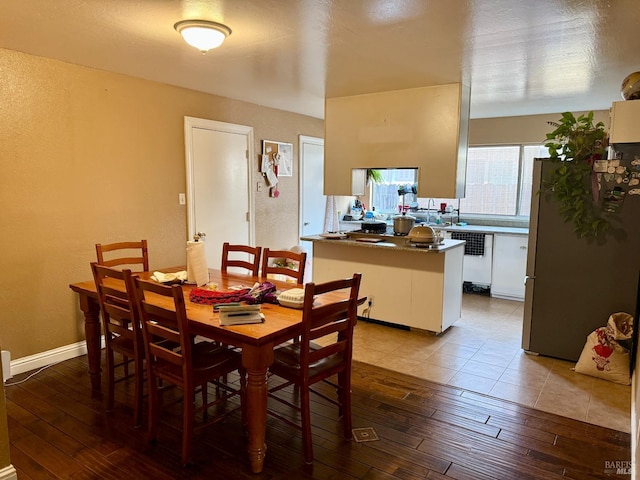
x=256 y=341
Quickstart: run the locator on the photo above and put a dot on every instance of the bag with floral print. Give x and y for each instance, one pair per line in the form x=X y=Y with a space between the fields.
x=604 y=355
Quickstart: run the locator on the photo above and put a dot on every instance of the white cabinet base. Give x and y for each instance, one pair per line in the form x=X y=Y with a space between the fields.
x=509 y=266
x=417 y=289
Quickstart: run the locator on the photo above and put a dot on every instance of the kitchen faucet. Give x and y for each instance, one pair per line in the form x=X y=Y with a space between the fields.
x=429 y=202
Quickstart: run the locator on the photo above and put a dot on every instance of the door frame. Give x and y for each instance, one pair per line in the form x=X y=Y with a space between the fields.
x=193 y=122
x=302 y=140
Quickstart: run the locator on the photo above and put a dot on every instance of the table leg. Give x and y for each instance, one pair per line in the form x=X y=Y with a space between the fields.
x=91 y=309
x=256 y=360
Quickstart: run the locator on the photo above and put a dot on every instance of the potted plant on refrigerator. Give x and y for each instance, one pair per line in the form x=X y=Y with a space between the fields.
x=575 y=144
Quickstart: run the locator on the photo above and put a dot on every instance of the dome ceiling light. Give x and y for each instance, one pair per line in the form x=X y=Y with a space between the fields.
x=202 y=34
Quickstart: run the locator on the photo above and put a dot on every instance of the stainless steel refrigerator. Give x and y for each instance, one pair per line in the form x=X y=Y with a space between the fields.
x=572 y=286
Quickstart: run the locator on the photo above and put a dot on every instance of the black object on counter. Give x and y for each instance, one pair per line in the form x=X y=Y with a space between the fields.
x=374 y=227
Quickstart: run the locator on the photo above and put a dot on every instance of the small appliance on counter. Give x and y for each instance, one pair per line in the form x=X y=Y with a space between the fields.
x=402 y=224
x=374 y=226
x=424 y=236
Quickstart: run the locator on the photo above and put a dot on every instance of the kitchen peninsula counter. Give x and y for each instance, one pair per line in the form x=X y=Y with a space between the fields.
x=395 y=243
x=410 y=286
x=486 y=229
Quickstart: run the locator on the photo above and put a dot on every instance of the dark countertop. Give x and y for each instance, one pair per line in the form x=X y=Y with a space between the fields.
x=489 y=229
x=389 y=243
x=484 y=229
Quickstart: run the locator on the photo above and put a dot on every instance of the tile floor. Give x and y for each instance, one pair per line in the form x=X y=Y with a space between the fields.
x=481 y=353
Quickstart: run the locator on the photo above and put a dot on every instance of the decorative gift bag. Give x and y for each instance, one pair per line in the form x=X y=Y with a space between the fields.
x=603 y=356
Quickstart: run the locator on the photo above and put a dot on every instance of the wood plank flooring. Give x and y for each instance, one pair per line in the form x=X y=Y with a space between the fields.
x=425 y=430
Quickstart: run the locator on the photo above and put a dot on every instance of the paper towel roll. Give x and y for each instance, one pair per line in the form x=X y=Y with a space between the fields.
x=197 y=269
x=331 y=220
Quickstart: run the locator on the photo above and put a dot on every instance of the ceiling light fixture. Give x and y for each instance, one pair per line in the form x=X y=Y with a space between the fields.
x=202 y=34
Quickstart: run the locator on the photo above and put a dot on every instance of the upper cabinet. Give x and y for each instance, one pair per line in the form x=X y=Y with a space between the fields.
x=625 y=118
x=424 y=128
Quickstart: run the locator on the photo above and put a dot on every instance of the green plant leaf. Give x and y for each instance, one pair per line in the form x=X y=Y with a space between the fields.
x=574 y=142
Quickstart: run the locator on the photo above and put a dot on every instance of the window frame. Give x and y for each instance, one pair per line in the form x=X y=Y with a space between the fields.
x=519 y=217
x=520 y=183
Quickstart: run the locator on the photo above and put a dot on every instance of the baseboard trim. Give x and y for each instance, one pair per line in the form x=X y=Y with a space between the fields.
x=60 y=354
x=8 y=473
x=505 y=296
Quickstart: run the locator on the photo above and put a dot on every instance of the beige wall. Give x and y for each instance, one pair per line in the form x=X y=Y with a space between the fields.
x=90 y=156
x=523 y=129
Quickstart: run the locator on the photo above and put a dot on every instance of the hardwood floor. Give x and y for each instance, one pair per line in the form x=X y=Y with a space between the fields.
x=425 y=430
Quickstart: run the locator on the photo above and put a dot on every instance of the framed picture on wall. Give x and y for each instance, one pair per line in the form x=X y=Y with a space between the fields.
x=280 y=155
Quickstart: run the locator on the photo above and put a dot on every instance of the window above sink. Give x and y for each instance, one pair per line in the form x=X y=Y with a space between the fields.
x=498 y=185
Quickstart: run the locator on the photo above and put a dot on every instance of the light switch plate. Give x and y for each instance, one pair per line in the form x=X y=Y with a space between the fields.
x=182 y=199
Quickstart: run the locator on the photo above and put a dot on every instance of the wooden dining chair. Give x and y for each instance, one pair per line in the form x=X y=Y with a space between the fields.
x=124 y=253
x=250 y=257
x=305 y=363
x=122 y=333
x=284 y=262
x=190 y=367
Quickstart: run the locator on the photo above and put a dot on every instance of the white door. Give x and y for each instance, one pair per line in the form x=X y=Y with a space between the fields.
x=220 y=200
x=312 y=198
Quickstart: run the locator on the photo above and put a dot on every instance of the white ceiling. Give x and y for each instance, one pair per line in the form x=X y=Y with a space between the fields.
x=519 y=56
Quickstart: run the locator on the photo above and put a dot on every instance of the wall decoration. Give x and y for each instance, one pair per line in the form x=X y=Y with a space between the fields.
x=282 y=153
x=276 y=161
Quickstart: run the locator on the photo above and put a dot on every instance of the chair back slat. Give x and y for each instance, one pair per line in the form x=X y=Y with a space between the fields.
x=162 y=349
x=250 y=257
x=329 y=314
x=327 y=351
x=120 y=253
x=114 y=295
x=118 y=321
x=333 y=327
x=288 y=263
x=122 y=261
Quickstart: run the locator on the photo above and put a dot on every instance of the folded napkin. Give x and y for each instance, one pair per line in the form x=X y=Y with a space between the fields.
x=213 y=297
x=260 y=293
x=160 y=277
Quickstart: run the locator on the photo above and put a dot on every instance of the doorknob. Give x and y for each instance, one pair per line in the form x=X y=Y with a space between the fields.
x=199 y=236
